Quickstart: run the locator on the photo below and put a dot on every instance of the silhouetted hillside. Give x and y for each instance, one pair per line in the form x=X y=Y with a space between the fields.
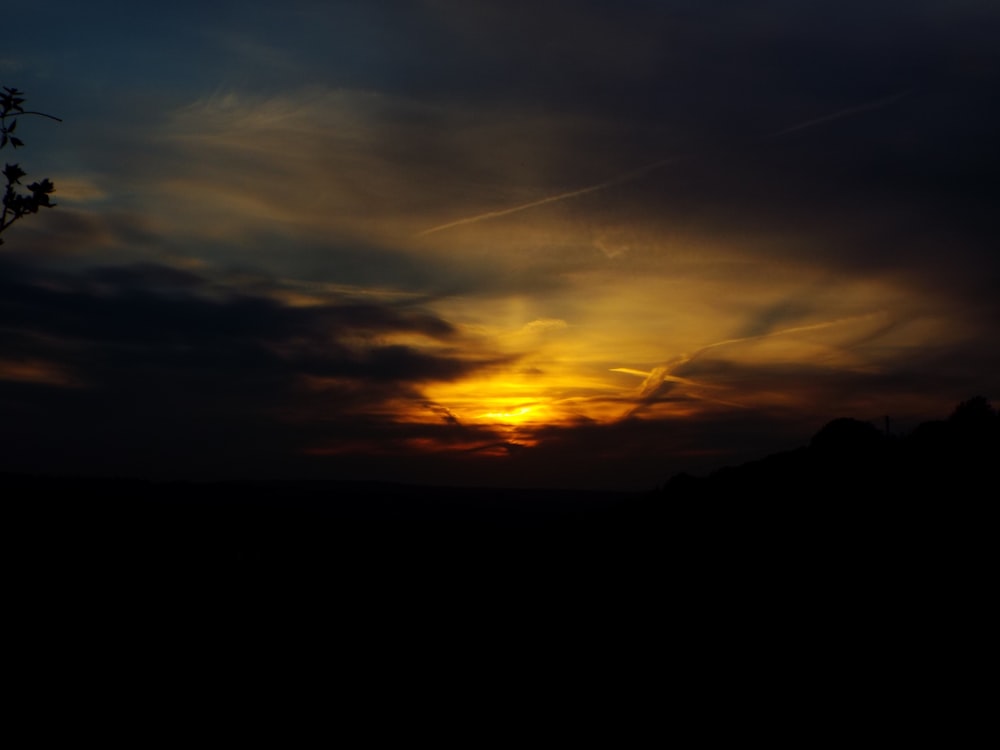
x=850 y=461
x=851 y=488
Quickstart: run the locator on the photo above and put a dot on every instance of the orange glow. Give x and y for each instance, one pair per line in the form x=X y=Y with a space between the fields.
x=35 y=371
x=518 y=415
x=517 y=405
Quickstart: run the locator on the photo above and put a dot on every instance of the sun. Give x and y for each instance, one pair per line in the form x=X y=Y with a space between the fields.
x=517 y=415
x=512 y=408
x=526 y=403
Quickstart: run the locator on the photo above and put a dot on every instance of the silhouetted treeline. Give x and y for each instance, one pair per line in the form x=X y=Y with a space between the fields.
x=850 y=460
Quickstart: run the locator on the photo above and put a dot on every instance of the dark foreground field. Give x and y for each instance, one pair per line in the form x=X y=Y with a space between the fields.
x=791 y=516
x=736 y=602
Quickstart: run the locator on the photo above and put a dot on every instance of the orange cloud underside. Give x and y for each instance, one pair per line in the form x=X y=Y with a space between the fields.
x=36 y=371
x=561 y=387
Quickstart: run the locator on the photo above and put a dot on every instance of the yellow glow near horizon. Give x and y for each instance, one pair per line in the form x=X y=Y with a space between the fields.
x=506 y=401
x=517 y=405
x=512 y=416
x=593 y=371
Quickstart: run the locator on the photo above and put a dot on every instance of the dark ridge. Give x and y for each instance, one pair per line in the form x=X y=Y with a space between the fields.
x=850 y=461
x=853 y=498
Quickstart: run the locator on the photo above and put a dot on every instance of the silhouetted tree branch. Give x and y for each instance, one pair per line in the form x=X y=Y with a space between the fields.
x=16 y=204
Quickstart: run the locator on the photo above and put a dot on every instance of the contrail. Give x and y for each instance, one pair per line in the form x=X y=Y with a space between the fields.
x=620 y=179
x=640 y=171
x=849 y=112
x=660 y=375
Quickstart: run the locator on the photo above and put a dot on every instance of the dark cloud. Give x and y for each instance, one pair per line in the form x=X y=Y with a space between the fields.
x=134 y=305
x=153 y=371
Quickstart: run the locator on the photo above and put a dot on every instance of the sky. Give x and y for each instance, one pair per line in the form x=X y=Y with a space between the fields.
x=582 y=245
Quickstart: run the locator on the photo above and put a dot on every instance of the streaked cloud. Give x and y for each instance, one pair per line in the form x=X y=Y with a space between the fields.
x=78 y=189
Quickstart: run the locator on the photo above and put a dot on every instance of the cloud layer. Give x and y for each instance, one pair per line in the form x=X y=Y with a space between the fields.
x=498 y=242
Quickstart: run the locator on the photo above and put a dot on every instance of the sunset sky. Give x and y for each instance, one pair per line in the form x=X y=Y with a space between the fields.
x=584 y=244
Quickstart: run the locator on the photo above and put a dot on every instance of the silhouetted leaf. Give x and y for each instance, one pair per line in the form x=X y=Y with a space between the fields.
x=15 y=205
x=45 y=186
x=13 y=173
